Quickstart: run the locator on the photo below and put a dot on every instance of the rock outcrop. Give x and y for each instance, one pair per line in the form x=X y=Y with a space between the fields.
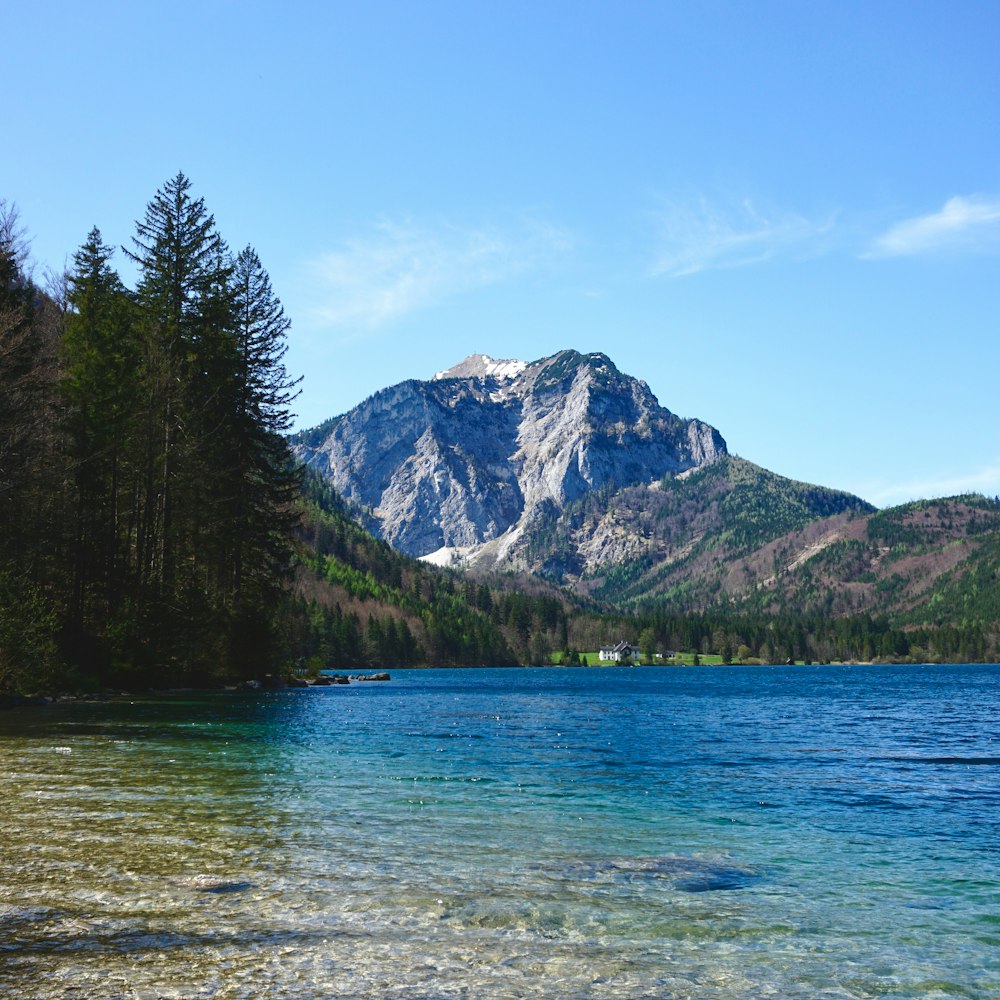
x=461 y=466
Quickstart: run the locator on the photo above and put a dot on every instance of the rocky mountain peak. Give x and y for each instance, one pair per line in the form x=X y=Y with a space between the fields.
x=468 y=461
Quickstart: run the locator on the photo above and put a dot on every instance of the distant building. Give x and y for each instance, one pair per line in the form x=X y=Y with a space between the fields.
x=624 y=652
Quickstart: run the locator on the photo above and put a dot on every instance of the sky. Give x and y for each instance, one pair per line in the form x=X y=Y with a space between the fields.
x=783 y=216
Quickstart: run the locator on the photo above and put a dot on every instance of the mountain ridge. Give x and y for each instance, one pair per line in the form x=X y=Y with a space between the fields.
x=567 y=471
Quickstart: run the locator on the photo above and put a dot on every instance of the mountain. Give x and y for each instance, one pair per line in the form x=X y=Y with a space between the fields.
x=459 y=468
x=569 y=471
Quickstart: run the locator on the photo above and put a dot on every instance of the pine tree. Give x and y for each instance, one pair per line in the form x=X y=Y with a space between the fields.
x=101 y=391
x=252 y=510
x=186 y=325
x=267 y=481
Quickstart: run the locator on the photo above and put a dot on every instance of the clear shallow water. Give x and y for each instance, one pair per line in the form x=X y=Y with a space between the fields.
x=713 y=833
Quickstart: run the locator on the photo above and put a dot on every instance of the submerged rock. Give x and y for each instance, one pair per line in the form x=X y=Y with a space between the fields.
x=213 y=883
x=686 y=873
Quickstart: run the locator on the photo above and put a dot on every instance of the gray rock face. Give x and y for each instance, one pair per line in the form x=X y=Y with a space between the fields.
x=473 y=456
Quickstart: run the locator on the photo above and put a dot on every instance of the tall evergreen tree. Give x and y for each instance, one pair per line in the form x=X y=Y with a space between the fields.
x=186 y=327
x=267 y=481
x=102 y=393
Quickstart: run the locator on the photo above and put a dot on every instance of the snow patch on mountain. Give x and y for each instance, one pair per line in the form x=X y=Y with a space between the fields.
x=483 y=366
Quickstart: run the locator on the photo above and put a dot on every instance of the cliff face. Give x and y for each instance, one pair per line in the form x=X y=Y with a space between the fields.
x=464 y=464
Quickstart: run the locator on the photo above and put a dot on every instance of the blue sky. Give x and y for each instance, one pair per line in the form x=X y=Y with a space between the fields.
x=784 y=216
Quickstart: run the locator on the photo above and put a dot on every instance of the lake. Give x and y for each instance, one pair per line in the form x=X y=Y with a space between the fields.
x=723 y=832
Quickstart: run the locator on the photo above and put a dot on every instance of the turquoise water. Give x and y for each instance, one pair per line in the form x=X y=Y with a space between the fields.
x=649 y=832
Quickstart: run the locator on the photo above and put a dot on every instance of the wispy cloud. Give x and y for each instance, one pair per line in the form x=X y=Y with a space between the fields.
x=964 y=224
x=984 y=480
x=705 y=236
x=400 y=267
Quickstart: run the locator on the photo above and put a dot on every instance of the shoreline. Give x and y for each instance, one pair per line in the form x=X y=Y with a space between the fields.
x=15 y=701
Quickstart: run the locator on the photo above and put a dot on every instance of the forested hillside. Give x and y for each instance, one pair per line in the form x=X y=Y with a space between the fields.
x=931 y=563
x=359 y=602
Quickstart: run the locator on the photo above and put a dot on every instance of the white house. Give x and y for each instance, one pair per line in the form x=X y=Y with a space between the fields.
x=623 y=652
